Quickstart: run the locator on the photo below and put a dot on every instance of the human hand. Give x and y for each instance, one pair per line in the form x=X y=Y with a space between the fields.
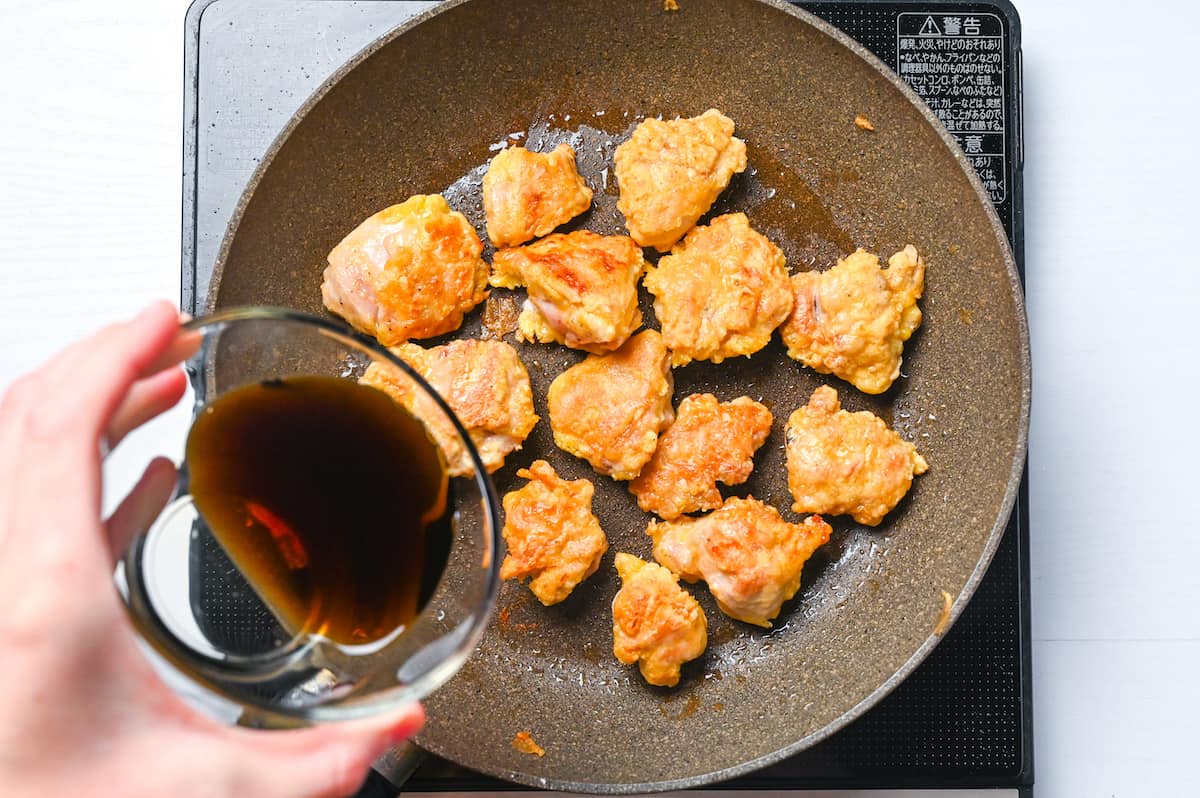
x=82 y=710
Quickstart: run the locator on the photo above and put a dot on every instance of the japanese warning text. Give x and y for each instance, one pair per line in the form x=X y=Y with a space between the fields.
x=955 y=62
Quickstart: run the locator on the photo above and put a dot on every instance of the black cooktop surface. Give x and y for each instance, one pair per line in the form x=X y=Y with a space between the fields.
x=964 y=717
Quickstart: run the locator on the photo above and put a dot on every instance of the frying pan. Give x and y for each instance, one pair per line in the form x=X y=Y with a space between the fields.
x=423 y=109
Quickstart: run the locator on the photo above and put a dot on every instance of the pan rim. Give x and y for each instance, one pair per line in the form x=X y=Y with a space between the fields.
x=1007 y=502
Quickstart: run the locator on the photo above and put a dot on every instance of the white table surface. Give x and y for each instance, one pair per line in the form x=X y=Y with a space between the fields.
x=90 y=163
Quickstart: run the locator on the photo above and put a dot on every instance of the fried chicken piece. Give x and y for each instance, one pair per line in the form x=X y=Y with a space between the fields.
x=721 y=292
x=528 y=194
x=853 y=320
x=749 y=556
x=582 y=288
x=610 y=409
x=670 y=174
x=486 y=385
x=710 y=441
x=410 y=271
x=842 y=463
x=656 y=623
x=551 y=533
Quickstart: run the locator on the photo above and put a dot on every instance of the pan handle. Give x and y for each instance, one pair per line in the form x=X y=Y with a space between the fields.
x=376 y=786
x=390 y=771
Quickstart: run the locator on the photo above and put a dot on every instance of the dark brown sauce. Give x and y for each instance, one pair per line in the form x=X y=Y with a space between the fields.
x=500 y=314
x=790 y=209
x=329 y=498
x=666 y=707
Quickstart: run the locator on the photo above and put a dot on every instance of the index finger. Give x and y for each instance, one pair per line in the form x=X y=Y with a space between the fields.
x=97 y=372
x=182 y=346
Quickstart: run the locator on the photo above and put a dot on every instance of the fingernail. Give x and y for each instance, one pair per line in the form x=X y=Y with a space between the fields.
x=154 y=308
x=403 y=731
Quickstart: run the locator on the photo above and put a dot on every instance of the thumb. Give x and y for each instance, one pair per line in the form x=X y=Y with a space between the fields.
x=326 y=761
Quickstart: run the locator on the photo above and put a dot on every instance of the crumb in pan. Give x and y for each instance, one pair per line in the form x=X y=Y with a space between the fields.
x=943 y=620
x=853 y=319
x=863 y=122
x=748 y=555
x=410 y=271
x=670 y=174
x=528 y=194
x=709 y=442
x=551 y=532
x=610 y=409
x=486 y=385
x=656 y=623
x=721 y=292
x=525 y=743
x=843 y=463
x=582 y=288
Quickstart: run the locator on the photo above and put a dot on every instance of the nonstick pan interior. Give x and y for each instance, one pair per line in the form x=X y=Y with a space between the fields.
x=425 y=109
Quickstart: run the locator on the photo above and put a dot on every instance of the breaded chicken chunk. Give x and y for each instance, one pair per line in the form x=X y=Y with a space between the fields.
x=656 y=623
x=610 y=409
x=486 y=385
x=842 y=463
x=853 y=320
x=709 y=442
x=721 y=292
x=670 y=174
x=582 y=288
x=410 y=271
x=551 y=533
x=528 y=194
x=749 y=556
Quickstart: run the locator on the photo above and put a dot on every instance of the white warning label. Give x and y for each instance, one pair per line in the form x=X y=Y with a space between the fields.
x=955 y=62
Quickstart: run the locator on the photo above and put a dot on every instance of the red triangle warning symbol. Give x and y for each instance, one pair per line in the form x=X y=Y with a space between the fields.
x=930 y=28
